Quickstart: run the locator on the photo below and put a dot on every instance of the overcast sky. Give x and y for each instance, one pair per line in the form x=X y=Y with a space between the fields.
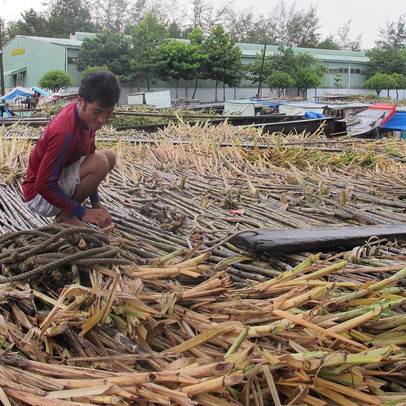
x=367 y=16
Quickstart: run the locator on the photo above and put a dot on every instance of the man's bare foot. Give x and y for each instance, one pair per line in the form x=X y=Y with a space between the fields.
x=69 y=218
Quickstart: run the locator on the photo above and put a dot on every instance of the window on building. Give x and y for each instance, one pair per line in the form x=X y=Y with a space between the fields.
x=19 y=79
x=72 y=59
x=339 y=70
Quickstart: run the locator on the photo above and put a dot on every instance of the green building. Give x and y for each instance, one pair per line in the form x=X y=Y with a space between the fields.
x=26 y=59
x=349 y=65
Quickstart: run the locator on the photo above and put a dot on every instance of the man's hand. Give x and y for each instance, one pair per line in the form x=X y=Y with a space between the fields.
x=98 y=205
x=97 y=215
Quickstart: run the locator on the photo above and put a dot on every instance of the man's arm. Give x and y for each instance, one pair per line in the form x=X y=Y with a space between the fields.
x=56 y=157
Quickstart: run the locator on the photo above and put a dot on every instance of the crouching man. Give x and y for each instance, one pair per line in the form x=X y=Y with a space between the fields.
x=64 y=168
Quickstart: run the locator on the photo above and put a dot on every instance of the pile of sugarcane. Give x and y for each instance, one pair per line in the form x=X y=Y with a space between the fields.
x=175 y=314
x=318 y=333
x=175 y=197
x=140 y=115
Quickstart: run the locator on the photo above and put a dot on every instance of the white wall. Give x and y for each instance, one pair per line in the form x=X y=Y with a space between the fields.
x=206 y=95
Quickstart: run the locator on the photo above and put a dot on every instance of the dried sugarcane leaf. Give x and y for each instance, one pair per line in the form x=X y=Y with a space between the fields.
x=207 y=335
x=83 y=392
x=93 y=321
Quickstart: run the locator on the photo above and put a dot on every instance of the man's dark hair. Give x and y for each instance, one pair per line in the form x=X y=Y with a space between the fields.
x=101 y=86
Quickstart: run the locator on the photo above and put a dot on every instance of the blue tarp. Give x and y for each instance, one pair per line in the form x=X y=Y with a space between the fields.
x=17 y=91
x=313 y=114
x=40 y=91
x=397 y=122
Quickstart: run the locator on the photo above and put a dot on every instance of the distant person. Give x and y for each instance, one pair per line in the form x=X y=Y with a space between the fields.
x=64 y=168
x=35 y=99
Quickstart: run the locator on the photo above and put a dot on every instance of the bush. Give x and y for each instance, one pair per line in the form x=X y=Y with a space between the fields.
x=54 y=80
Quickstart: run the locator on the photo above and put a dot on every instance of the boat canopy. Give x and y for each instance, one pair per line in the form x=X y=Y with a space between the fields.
x=40 y=91
x=247 y=107
x=17 y=92
x=300 y=109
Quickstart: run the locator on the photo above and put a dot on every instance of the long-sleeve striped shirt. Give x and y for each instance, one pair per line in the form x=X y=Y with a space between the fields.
x=64 y=141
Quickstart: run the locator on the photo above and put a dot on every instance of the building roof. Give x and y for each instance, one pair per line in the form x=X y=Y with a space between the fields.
x=251 y=50
x=70 y=42
x=248 y=50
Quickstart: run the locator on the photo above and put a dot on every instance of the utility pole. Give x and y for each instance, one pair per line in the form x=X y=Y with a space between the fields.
x=1 y=64
x=261 y=73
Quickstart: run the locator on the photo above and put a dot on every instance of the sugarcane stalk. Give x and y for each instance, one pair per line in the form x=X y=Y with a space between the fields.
x=324 y=271
x=392 y=280
x=312 y=294
x=321 y=383
x=356 y=321
x=305 y=323
x=213 y=384
x=33 y=399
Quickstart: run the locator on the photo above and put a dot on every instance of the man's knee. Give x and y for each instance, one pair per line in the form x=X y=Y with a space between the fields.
x=111 y=158
x=99 y=163
x=96 y=163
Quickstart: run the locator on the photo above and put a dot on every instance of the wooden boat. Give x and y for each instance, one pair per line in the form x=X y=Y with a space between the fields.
x=367 y=123
x=285 y=124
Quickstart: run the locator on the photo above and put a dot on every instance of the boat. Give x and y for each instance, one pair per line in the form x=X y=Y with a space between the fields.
x=367 y=123
x=395 y=126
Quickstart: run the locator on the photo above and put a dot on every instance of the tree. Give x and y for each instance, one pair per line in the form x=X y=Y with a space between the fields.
x=196 y=38
x=284 y=60
x=308 y=21
x=68 y=17
x=90 y=69
x=291 y=27
x=108 y=48
x=174 y=30
x=400 y=82
x=242 y=26
x=393 y=35
x=388 y=60
x=328 y=43
x=261 y=67
x=305 y=70
x=280 y=81
x=380 y=81
x=111 y=14
x=345 y=42
x=178 y=60
x=54 y=80
x=224 y=59
x=31 y=23
x=307 y=77
x=205 y=16
x=146 y=40
x=337 y=80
